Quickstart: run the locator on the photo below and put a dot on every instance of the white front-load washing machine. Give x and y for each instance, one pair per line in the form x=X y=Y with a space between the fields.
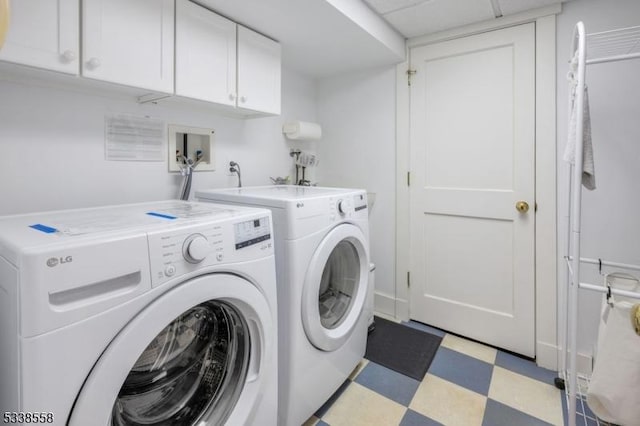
x=322 y=263
x=148 y=314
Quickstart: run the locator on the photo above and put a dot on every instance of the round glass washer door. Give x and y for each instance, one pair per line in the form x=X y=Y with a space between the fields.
x=335 y=287
x=191 y=357
x=193 y=369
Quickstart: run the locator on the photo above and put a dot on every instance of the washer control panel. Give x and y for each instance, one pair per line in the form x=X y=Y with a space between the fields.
x=195 y=248
x=252 y=232
x=185 y=249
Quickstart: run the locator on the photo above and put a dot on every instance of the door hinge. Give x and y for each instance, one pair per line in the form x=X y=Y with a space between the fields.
x=409 y=279
x=408 y=178
x=410 y=72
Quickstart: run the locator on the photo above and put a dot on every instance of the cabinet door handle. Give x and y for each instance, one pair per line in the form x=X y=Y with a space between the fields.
x=68 y=56
x=93 y=63
x=243 y=99
x=232 y=96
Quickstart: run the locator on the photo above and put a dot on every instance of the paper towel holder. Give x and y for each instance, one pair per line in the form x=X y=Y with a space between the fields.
x=302 y=130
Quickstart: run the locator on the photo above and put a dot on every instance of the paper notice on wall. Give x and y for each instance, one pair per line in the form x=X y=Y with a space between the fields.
x=132 y=138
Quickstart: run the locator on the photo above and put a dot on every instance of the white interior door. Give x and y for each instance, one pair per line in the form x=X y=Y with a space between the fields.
x=472 y=161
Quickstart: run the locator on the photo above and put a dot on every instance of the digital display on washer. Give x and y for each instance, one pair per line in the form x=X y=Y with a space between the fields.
x=252 y=232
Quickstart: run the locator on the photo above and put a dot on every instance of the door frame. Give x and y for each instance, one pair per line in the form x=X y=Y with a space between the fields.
x=546 y=345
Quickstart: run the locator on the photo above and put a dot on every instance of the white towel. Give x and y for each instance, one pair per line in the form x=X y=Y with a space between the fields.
x=613 y=392
x=588 y=167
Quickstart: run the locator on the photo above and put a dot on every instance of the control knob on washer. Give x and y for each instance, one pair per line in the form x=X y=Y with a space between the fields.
x=196 y=248
x=341 y=207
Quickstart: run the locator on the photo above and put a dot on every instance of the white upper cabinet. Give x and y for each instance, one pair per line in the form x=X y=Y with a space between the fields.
x=220 y=61
x=259 y=72
x=144 y=44
x=205 y=54
x=43 y=34
x=129 y=42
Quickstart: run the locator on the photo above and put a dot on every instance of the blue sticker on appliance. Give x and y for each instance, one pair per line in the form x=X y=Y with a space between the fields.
x=162 y=215
x=43 y=228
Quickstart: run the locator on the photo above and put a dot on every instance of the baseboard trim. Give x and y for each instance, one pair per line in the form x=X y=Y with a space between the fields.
x=402 y=309
x=549 y=356
x=384 y=304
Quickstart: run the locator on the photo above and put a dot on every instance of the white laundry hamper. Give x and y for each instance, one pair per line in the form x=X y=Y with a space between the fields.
x=614 y=390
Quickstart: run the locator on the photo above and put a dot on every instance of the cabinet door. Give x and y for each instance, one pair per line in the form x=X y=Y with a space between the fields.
x=129 y=42
x=43 y=34
x=258 y=72
x=205 y=54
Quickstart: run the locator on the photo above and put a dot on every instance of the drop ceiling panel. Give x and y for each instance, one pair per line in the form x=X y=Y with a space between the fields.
x=510 y=7
x=439 y=15
x=386 y=6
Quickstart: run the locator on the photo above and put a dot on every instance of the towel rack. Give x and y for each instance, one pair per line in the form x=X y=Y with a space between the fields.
x=608 y=46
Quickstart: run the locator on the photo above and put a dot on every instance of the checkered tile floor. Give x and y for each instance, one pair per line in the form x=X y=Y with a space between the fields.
x=467 y=384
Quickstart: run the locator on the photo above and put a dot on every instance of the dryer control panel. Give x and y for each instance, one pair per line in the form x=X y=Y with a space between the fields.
x=340 y=208
x=185 y=249
x=350 y=206
x=360 y=202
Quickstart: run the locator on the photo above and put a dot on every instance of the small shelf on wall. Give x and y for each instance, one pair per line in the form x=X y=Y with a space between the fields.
x=614 y=45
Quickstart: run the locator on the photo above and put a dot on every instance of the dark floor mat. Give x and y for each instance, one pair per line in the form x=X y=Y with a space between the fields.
x=401 y=348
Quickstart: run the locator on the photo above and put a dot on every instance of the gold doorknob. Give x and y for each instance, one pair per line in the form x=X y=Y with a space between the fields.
x=522 y=206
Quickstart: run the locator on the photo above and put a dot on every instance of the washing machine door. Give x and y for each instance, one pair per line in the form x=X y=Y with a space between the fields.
x=191 y=357
x=335 y=287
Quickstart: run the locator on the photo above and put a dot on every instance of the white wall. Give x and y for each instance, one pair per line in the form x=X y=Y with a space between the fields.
x=357 y=113
x=52 y=147
x=611 y=225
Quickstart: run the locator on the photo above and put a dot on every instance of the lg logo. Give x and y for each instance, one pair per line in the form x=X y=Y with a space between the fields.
x=55 y=261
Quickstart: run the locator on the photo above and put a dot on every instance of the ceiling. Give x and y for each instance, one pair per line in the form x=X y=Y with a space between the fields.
x=322 y=38
x=319 y=38
x=413 y=18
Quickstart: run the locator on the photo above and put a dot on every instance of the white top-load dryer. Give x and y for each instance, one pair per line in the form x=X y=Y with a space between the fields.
x=322 y=263
x=145 y=314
